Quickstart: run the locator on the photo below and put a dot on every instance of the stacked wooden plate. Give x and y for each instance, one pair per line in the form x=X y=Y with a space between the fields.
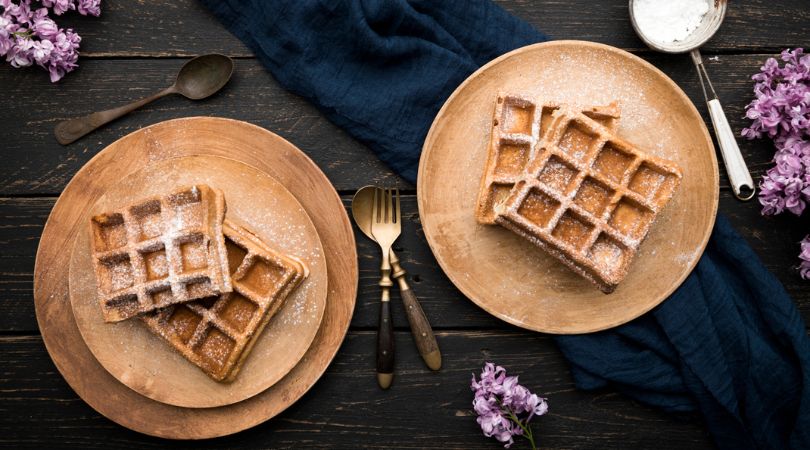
x=132 y=376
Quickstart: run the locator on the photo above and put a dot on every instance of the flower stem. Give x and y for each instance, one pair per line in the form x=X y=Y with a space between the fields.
x=526 y=428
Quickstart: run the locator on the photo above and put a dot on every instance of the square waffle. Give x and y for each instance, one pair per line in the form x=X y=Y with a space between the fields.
x=160 y=251
x=589 y=198
x=217 y=333
x=520 y=126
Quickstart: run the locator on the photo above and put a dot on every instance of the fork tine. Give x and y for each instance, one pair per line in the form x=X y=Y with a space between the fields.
x=384 y=206
x=398 y=216
x=391 y=210
x=375 y=209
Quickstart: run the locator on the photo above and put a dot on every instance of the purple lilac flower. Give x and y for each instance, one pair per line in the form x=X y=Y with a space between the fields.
x=804 y=256
x=781 y=111
x=30 y=37
x=89 y=7
x=500 y=401
x=59 y=6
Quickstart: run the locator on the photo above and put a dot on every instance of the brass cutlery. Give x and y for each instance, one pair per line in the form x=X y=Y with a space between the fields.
x=363 y=211
x=385 y=227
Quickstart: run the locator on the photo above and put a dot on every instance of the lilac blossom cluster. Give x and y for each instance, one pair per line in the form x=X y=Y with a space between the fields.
x=781 y=111
x=504 y=407
x=804 y=256
x=28 y=35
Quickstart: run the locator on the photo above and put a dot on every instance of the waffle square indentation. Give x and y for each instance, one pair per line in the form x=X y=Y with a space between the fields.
x=155 y=263
x=612 y=162
x=572 y=230
x=546 y=118
x=184 y=322
x=215 y=349
x=238 y=312
x=116 y=273
x=262 y=276
x=109 y=232
x=512 y=158
x=161 y=295
x=631 y=219
x=187 y=211
x=557 y=175
x=538 y=208
x=517 y=116
x=593 y=196
x=577 y=141
x=147 y=220
x=193 y=253
x=236 y=254
x=646 y=181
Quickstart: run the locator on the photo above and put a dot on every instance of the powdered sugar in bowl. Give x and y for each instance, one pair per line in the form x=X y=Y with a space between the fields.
x=676 y=26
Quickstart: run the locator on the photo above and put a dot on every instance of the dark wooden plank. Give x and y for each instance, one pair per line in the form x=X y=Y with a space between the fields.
x=347 y=410
x=750 y=25
x=21 y=221
x=184 y=27
x=42 y=166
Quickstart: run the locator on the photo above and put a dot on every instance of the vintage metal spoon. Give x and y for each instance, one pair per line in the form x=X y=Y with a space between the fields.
x=199 y=78
x=420 y=327
x=738 y=174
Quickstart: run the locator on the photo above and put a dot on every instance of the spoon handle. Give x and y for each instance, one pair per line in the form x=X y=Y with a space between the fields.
x=71 y=130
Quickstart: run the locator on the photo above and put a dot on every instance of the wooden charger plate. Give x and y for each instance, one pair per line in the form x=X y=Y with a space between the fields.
x=504 y=274
x=241 y=141
x=148 y=364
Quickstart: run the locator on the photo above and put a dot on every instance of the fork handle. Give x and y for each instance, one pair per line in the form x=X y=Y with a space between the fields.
x=385 y=342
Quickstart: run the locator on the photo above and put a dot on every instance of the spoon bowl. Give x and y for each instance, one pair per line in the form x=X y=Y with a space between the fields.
x=203 y=76
x=362 y=203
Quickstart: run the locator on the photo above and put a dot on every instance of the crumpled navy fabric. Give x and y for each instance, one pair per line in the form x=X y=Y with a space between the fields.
x=729 y=342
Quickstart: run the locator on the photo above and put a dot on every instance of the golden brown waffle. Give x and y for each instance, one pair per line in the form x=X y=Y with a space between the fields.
x=520 y=126
x=160 y=251
x=217 y=333
x=589 y=198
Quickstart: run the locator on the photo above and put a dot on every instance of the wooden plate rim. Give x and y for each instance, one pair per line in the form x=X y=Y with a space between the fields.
x=238 y=221
x=426 y=149
x=190 y=423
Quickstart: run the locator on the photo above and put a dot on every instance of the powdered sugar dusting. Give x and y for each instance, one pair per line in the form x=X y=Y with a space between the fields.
x=274 y=216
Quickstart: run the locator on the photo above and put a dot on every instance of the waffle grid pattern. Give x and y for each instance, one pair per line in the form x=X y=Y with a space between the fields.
x=589 y=198
x=160 y=251
x=217 y=333
x=520 y=126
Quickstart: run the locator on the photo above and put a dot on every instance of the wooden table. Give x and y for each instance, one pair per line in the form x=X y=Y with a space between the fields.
x=135 y=48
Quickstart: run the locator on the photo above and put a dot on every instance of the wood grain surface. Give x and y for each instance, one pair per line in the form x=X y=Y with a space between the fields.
x=134 y=49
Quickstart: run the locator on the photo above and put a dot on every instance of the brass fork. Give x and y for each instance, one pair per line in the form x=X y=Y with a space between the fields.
x=385 y=227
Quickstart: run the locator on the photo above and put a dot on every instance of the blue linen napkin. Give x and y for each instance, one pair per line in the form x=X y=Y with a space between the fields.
x=729 y=342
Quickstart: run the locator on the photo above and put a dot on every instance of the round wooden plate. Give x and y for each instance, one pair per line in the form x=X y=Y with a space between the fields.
x=244 y=142
x=512 y=279
x=145 y=362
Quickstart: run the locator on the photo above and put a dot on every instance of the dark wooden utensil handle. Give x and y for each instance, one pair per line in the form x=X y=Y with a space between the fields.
x=385 y=343
x=70 y=130
x=420 y=330
x=420 y=327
